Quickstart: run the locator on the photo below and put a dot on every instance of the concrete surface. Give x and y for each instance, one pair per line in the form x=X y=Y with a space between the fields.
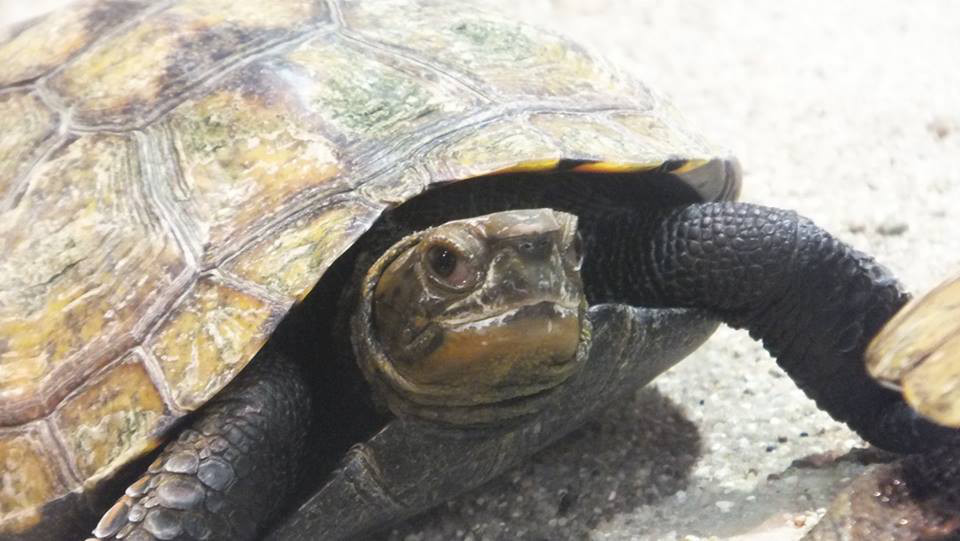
x=846 y=111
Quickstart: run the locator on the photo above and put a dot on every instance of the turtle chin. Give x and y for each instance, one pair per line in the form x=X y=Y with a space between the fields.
x=517 y=352
x=491 y=370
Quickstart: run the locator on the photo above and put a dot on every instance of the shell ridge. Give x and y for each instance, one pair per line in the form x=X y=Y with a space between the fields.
x=285 y=216
x=160 y=166
x=445 y=130
x=27 y=84
x=63 y=458
x=53 y=101
x=21 y=185
x=408 y=55
x=63 y=380
x=280 y=303
x=152 y=367
x=154 y=314
x=336 y=13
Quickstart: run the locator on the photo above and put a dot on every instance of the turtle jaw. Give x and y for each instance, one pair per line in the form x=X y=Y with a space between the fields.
x=519 y=351
x=480 y=335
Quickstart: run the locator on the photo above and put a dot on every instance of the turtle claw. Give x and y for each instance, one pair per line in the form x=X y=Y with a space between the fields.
x=914 y=498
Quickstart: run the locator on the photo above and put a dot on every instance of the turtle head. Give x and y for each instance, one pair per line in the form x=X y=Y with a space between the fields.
x=470 y=321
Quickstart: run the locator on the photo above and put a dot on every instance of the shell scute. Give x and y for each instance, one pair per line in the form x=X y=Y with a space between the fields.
x=63 y=312
x=132 y=76
x=208 y=338
x=242 y=159
x=660 y=134
x=586 y=137
x=29 y=477
x=918 y=351
x=288 y=258
x=52 y=40
x=104 y=425
x=501 y=58
x=474 y=152
x=365 y=97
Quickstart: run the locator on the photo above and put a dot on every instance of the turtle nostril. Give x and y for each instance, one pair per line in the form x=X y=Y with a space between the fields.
x=538 y=247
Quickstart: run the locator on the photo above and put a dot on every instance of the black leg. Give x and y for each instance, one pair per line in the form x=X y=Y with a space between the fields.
x=814 y=302
x=227 y=474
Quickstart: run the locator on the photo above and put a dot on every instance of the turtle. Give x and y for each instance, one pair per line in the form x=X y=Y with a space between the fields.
x=301 y=269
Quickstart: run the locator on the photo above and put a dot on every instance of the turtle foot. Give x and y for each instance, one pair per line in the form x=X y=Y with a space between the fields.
x=915 y=498
x=225 y=475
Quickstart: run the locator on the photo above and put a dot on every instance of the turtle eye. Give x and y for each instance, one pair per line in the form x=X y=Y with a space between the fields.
x=443 y=261
x=449 y=266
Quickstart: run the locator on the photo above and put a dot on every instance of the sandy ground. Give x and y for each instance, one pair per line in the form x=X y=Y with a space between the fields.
x=846 y=111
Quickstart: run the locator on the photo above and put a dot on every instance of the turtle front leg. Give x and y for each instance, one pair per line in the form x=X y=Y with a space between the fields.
x=814 y=302
x=228 y=473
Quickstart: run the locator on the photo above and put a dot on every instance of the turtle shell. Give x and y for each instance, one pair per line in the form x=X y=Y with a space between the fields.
x=918 y=351
x=175 y=175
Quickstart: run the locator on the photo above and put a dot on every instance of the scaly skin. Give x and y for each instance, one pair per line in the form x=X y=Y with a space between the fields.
x=229 y=473
x=812 y=300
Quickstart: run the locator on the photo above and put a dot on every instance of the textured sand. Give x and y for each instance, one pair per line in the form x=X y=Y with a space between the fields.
x=846 y=111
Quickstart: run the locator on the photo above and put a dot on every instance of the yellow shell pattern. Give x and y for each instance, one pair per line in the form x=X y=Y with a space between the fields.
x=918 y=352
x=174 y=175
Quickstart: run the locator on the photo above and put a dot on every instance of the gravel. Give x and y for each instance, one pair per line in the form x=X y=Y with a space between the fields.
x=845 y=111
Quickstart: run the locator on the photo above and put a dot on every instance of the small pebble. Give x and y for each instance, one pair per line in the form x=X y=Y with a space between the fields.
x=724 y=505
x=892 y=228
x=940 y=127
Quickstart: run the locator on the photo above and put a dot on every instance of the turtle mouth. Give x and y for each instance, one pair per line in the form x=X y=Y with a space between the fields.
x=513 y=352
x=539 y=310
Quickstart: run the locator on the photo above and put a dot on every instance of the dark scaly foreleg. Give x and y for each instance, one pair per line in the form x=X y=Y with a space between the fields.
x=230 y=471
